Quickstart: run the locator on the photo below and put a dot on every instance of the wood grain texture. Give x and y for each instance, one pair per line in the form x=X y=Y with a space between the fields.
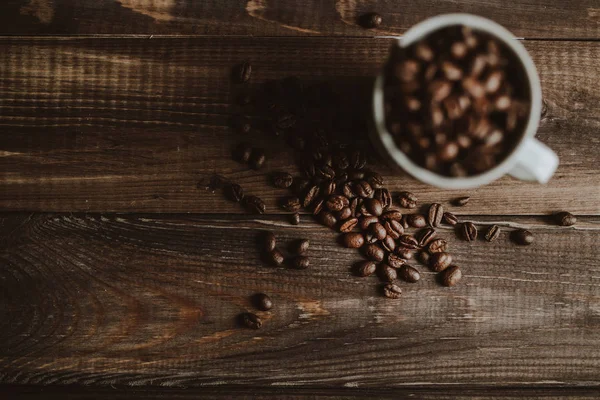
x=532 y=19
x=152 y=300
x=135 y=124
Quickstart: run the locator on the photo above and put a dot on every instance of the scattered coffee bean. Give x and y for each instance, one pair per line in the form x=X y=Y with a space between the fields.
x=242 y=72
x=393 y=229
x=373 y=252
x=311 y=195
x=299 y=246
x=234 y=192
x=450 y=218
x=347 y=190
x=254 y=204
x=257 y=159
x=392 y=291
x=327 y=219
x=384 y=197
x=370 y=20
x=275 y=257
x=363 y=189
x=395 y=260
x=387 y=273
x=522 y=237
x=424 y=257
x=374 y=207
x=282 y=180
x=353 y=240
x=366 y=221
x=492 y=233
x=425 y=236
x=407 y=200
x=565 y=218
x=409 y=274
x=295 y=219
x=291 y=203
x=344 y=213
x=404 y=253
x=440 y=261
x=437 y=246
x=300 y=262
x=336 y=202
x=450 y=276
x=378 y=231
x=416 y=220
x=365 y=268
x=375 y=180
x=242 y=152
x=469 y=231
x=263 y=302
x=388 y=244
x=318 y=206
x=408 y=241
x=250 y=320
x=461 y=201
x=269 y=241
x=392 y=215
x=434 y=217
x=348 y=225
x=328 y=188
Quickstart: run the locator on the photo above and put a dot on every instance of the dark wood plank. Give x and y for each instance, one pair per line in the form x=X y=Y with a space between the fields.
x=533 y=19
x=152 y=300
x=134 y=124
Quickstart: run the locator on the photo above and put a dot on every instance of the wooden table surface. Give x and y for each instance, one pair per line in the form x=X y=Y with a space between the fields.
x=120 y=277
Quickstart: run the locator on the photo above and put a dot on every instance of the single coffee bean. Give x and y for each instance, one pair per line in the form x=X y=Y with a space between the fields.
x=522 y=237
x=352 y=240
x=404 y=252
x=388 y=243
x=300 y=185
x=300 y=262
x=362 y=209
x=424 y=257
x=378 y=231
x=328 y=188
x=365 y=221
x=395 y=260
x=336 y=202
x=363 y=189
x=291 y=203
x=311 y=195
x=371 y=238
x=440 y=261
x=257 y=159
x=269 y=241
x=437 y=246
x=373 y=252
x=328 y=219
x=434 y=217
x=282 y=180
x=344 y=214
x=263 y=302
x=250 y=320
x=242 y=152
x=387 y=273
x=565 y=218
x=348 y=225
x=374 y=207
x=370 y=20
x=242 y=72
x=325 y=172
x=393 y=228
x=469 y=231
x=492 y=233
x=416 y=220
x=275 y=257
x=375 y=180
x=450 y=218
x=347 y=190
x=254 y=205
x=392 y=291
x=461 y=201
x=425 y=236
x=295 y=219
x=234 y=192
x=384 y=196
x=299 y=246
x=365 y=268
x=409 y=242
x=318 y=206
x=407 y=200
x=450 y=276
x=409 y=274
x=355 y=204
x=392 y=215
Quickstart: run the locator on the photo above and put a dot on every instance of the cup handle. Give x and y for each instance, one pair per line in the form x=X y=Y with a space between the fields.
x=535 y=162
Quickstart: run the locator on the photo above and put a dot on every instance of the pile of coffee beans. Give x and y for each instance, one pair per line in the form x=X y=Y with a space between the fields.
x=457 y=101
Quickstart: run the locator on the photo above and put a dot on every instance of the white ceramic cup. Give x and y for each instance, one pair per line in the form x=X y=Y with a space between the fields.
x=530 y=160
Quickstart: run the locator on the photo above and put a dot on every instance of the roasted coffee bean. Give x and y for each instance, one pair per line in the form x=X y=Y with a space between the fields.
x=328 y=188
x=336 y=202
x=450 y=218
x=269 y=241
x=387 y=273
x=409 y=274
x=352 y=240
x=365 y=221
x=440 y=261
x=416 y=220
x=257 y=158
x=388 y=243
x=434 y=217
x=461 y=201
x=407 y=200
x=374 y=207
x=348 y=225
x=373 y=252
x=357 y=159
x=371 y=238
x=282 y=180
x=325 y=172
x=347 y=190
x=318 y=206
x=242 y=152
x=425 y=236
x=469 y=231
x=384 y=196
x=365 y=268
x=392 y=291
x=492 y=233
x=327 y=219
x=299 y=186
x=356 y=175
x=299 y=246
x=409 y=242
x=300 y=262
x=437 y=246
x=254 y=205
x=263 y=302
x=392 y=215
x=404 y=252
x=393 y=228
x=370 y=20
x=450 y=276
x=565 y=218
x=291 y=203
x=378 y=231
x=522 y=237
x=424 y=257
x=242 y=72
x=344 y=214
x=295 y=219
x=363 y=210
x=355 y=204
x=275 y=257
x=363 y=189
x=250 y=320
x=375 y=180
x=234 y=192
x=395 y=260
x=311 y=195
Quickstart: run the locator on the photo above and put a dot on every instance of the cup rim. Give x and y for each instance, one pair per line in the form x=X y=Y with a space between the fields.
x=425 y=28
